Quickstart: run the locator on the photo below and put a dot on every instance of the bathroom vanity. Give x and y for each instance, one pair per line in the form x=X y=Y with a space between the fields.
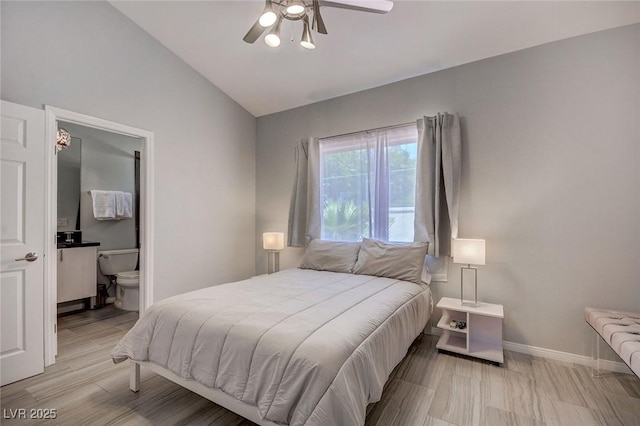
x=77 y=270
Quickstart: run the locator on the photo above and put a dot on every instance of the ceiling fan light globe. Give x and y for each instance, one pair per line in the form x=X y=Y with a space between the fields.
x=268 y=18
x=307 y=44
x=307 y=40
x=272 y=40
x=295 y=9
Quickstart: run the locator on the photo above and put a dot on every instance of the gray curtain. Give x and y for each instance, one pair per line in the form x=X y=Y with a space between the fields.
x=438 y=182
x=304 y=210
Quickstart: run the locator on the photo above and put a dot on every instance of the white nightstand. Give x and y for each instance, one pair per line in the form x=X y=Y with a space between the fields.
x=482 y=337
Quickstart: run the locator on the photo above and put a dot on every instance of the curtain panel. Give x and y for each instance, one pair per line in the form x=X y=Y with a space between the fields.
x=305 y=209
x=438 y=182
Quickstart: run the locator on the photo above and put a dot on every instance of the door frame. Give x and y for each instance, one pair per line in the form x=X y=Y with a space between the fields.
x=52 y=116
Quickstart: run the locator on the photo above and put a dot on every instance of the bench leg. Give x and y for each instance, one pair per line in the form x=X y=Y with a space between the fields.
x=595 y=354
x=134 y=376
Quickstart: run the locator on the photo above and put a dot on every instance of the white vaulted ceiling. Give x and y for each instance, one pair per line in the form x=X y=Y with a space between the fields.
x=362 y=50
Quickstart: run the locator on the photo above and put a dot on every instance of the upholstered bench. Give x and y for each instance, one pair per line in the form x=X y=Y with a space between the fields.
x=621 y=331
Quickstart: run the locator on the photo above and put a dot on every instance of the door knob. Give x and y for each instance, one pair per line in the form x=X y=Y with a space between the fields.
x=29 y=257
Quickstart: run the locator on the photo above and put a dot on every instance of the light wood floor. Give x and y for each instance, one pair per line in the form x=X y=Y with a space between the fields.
x=427 y=388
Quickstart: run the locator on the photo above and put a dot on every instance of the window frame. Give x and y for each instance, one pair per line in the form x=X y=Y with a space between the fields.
x=349 y=142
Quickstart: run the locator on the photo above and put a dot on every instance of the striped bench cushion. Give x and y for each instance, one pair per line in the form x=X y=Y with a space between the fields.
x=621 y=331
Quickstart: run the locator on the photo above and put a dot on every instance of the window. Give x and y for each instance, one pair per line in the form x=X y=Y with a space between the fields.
x=368 y=184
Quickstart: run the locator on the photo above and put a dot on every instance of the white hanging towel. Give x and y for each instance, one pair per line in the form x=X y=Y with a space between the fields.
x=123 y=205
x=104 y=204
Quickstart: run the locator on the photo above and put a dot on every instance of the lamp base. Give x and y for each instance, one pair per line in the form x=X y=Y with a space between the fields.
x=273 y=261
x=463 y=302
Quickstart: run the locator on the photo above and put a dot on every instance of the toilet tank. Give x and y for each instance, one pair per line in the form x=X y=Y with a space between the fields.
x=113 y=262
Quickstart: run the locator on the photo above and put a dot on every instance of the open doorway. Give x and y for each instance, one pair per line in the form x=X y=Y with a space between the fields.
x=100 y=219
x=97 y=218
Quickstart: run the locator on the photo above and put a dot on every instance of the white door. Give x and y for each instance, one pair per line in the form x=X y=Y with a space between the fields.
x=22 y=217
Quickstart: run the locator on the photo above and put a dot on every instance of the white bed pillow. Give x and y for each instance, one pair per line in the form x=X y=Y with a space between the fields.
x=401 y=261
x=334 y=256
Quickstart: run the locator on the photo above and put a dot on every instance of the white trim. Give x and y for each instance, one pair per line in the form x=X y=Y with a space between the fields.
x=50 y=309
x=618 y=367
x=52 y=115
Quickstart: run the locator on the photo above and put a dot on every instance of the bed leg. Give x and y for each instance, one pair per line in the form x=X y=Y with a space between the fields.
x=595 y=354
x=134 y=376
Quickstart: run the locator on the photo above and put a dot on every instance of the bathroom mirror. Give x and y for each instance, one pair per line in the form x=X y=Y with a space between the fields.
x=99 y=160
x=69 y=163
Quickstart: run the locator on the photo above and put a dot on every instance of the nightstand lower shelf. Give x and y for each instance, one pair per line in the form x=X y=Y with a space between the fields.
x=482 y=337
x=482 y=350
x=452 y=343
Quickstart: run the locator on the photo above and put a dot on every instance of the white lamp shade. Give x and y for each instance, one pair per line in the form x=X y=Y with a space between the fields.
x=273 y=241
x=468 y=251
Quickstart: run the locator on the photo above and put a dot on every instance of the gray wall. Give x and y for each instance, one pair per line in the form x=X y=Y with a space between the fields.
x=551 y=175
x=87 y=57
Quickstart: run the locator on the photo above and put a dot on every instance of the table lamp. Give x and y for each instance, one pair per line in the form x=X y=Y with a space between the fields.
x=273 y=242
x=469 y=252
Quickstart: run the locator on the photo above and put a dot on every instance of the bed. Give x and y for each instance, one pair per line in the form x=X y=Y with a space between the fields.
x=298 y=347
x=307 y=346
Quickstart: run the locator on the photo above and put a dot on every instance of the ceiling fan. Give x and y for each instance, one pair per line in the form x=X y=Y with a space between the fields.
x=275 y=11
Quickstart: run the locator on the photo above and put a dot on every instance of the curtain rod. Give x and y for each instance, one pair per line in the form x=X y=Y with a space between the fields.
x=370 y=130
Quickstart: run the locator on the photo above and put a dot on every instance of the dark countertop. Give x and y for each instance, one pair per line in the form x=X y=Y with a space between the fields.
x=76 y=244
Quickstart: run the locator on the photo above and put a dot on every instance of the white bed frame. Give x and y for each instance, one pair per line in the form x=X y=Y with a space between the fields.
x=243 y=409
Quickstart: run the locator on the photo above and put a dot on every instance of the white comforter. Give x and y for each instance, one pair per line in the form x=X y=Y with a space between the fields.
x=306 y=347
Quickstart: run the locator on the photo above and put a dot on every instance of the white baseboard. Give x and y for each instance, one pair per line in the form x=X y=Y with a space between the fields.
x=618 y=367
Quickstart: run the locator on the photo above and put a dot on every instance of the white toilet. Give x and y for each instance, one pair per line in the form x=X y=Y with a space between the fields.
x=121 y=264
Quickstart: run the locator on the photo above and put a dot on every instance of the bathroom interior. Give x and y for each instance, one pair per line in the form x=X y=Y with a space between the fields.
x=98 y=235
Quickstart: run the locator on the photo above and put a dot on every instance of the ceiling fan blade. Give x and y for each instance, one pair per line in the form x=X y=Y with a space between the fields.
x=317 y=23
x=254 y=33
x=374 y=6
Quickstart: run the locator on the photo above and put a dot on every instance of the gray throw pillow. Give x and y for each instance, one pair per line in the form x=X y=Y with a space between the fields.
x=334 y=256
x=402 y=261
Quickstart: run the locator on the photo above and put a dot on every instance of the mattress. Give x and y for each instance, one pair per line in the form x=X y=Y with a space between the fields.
x=305 y=347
